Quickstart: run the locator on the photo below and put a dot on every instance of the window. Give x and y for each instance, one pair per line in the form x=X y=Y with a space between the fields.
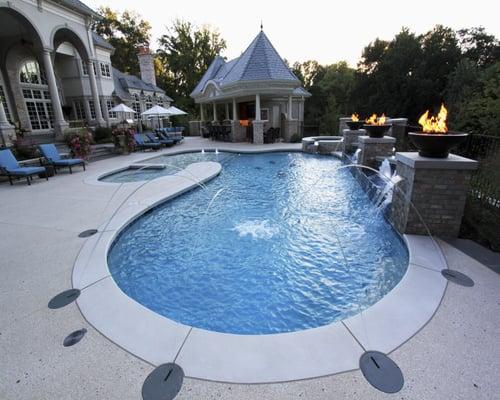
x=136 y=105
x=85 y=68
x=92 y=109
x=39 y=111
x=79 y=110
x=3 y=99
x=264 y=114
x=105 y=70
x=149 y=102
x=32 y=73
x=109 y=105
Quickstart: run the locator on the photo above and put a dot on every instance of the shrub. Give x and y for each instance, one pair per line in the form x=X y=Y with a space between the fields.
x=103 y=135
x=296 y=138
x=79 y=142
x=128 y=133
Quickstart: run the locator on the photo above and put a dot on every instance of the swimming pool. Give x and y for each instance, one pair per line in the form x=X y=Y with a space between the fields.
x=279 y=242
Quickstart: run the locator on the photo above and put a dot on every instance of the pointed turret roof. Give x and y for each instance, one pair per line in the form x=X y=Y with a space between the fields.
x=259 y=62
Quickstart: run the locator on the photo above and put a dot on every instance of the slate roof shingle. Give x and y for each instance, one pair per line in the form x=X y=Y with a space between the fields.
x=123 y=82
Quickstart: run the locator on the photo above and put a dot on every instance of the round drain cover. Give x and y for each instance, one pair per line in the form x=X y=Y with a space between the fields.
x=381 y=372
x=163 y=383
x=457 y=277
x=87 y=233
x=64 y=298
x=74 y=337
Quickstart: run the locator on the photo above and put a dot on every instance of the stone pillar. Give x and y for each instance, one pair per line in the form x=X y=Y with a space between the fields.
x=289 y=107
x=235 y=111
x=351 y=140
x=343 y=125
x=95 y=94
x=437 y=187
x=202 y=116
x=59 y=123
x=257 y=107
x=371 y=148
x=215 y=111
x=7 y=131
x=258 y=132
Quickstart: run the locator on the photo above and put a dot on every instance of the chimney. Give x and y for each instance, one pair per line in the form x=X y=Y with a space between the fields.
x=146 y=65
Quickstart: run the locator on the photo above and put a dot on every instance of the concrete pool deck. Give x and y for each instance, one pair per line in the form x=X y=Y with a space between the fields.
x=456 y=355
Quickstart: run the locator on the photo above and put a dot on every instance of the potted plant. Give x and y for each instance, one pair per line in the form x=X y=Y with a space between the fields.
x=435 y=141
x=79 y=142
x=123 y=139
x=376 y=126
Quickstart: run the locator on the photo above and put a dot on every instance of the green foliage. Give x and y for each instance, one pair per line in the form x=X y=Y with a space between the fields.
x=184 y=55
x=24 y=148
x=296 y=138
x=103 y=135
x=125 y=32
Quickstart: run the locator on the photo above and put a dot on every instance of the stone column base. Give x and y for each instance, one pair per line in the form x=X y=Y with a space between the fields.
x=7 y=134
x=437 y=188
x=351 y=139
x=258 y=132
x=60 y=129
x=371 y=148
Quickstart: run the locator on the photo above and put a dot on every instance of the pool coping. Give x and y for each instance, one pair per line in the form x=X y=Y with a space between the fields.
x=208 y=355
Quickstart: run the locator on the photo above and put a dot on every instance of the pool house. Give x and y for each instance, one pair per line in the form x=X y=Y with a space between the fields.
x=254 y=98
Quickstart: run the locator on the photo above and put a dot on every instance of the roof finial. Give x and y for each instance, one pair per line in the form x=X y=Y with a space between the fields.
x=261 y=25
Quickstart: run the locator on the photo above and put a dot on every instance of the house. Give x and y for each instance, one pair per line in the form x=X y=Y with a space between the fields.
x=260 y=90
x=56 y=73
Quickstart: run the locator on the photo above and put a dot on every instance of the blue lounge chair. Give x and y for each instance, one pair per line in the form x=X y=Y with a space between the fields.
x=10 y=167
x=161 y=140
x=143 y=145
x=50 y=153
x=172 y=134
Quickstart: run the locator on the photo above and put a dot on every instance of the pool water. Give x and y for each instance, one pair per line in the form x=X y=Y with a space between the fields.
x=172 y=163
x=278 y=242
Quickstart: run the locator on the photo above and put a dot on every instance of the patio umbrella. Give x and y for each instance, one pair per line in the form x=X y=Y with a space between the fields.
x=157 y=111
x=176 y=111
x=123 y=109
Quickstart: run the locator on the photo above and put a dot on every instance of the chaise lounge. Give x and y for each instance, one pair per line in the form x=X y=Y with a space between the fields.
x=10 y=167
x=152 y=137
x=143 y=145
x=50 y=153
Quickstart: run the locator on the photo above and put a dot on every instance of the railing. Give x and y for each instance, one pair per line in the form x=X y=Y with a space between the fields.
x=481 y=220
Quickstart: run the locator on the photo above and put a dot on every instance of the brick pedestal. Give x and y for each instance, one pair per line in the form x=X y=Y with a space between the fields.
x=371 y=148
x=437 y=188
x=351 y=140
x=238 y=132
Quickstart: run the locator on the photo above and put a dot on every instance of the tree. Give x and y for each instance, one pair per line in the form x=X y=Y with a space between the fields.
x=125 y=32
x=185 y=53
x=479 y=47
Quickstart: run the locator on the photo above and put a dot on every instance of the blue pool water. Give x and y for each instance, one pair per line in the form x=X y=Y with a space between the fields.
x=289 y=243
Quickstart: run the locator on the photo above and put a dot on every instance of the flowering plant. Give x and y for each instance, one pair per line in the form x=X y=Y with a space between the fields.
x=79 y=143
x=128 y=135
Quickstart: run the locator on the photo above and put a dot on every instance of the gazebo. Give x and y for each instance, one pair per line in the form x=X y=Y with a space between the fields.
x=251 y=94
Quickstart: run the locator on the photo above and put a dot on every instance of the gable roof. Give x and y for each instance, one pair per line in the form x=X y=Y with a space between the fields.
x=101 y=42
x=259 y=62
x=123 y=82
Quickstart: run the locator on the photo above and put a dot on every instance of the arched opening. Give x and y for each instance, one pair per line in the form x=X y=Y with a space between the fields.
x=19 y=41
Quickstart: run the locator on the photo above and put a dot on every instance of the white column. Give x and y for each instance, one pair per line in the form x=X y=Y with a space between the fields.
x=95 y=93
x=215 y=111
x=202 y=117
x=235 y=111
x=257 y=107
x=3 y=117
x=54 y=94
x=227 y=110
x=290 y=107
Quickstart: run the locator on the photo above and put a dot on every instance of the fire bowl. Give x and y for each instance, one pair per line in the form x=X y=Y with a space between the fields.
x=436 y=145
x=355 y=125
x=377 y=131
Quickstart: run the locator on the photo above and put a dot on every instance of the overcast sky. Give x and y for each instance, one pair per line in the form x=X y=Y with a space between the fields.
x=327 y=31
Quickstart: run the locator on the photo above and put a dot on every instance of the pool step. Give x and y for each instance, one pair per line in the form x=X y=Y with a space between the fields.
x=148 y=166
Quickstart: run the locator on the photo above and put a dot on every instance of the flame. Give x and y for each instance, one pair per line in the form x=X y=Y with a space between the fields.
x=355 y=117
x=434 y=124
x=374 y=120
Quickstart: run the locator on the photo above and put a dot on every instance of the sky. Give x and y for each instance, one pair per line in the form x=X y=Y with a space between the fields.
x=327 y=31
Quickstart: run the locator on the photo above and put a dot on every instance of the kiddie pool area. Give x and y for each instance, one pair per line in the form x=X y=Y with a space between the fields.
x=217 y=257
